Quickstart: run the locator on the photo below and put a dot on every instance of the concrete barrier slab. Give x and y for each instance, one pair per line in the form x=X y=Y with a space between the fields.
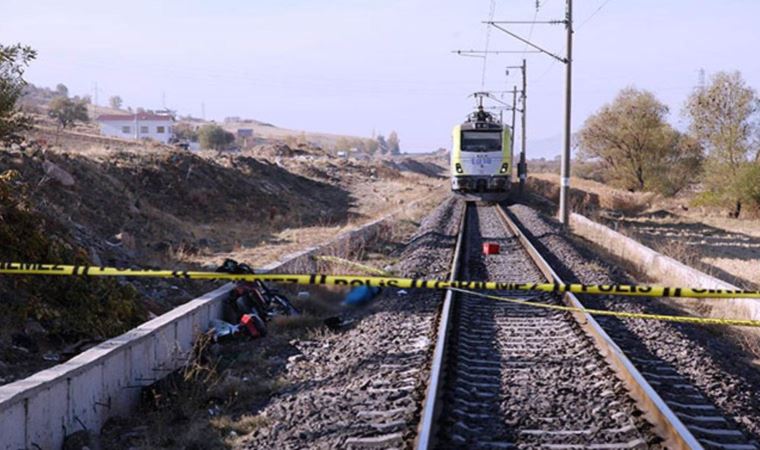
x=659 y=266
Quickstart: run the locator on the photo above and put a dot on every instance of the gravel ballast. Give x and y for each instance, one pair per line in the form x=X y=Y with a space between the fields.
x=522 y=377
x=362 y=387
x=702 y=375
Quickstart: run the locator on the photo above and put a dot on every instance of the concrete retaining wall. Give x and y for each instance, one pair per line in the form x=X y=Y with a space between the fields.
x=664 y=268
x=105 y=381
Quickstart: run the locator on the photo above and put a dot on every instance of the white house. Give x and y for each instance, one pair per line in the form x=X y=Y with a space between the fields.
x=137 y=126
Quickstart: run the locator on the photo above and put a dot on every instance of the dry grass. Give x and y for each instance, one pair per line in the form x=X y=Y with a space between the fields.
x=242 y=425
x=293 y=239
x=684 y=253
x=592 y=194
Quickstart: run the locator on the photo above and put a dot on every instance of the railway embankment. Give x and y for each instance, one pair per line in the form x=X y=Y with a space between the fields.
x=154 y=207
x=108 y=380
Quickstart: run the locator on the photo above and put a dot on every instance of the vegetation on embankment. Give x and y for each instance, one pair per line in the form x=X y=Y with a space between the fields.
x=717 y=159
x=67 y=308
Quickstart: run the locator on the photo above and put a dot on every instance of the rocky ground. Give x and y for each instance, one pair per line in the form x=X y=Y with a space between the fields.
x=721 y=373
x=309 y=386
x=370 y=391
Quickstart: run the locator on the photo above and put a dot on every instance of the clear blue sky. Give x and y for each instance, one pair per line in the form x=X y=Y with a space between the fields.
x=356 y=66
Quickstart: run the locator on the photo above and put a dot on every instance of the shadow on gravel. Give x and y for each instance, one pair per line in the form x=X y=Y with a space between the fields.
x=691 y=242
x=433 y=239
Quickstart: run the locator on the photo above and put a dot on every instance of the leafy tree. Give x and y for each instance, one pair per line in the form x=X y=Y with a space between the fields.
x=342 y=144
x=185 y=132
x=61 y=90
x=382 y=144
x=724 y=119
x=371 y=146
x=394 y=144
x=636 y=148
x=748 y=182
x=115 y=102
x=215 y=137
x=67 y=112
x=13 y=61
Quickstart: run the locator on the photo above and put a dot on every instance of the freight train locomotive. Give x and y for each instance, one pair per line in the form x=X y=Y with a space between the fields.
x=481 y=158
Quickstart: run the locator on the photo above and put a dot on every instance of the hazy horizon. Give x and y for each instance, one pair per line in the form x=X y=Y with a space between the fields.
x=354 y=67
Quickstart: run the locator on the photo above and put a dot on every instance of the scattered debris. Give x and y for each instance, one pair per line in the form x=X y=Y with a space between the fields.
x=221 y=329
x=253 y=303
x=490 y=248
x=337 y=323
x=50 y=356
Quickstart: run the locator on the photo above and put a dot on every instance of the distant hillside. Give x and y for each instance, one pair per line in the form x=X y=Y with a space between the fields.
x=268 y=131
x=36 y=100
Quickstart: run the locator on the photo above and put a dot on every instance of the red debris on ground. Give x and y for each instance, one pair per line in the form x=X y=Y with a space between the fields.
x=490 y=248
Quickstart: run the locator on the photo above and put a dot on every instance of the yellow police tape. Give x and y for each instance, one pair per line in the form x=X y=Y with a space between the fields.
x=366 y=268
x=628 y=315
x=15 y=268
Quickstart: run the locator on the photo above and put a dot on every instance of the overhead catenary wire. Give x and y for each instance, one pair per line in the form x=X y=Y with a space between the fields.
x=596 y=11
x=532 y=27
x=491 y=14
x=584 y=22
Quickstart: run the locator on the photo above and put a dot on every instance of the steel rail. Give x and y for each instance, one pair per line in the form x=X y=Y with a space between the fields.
x=659 y=414
x=427 y=428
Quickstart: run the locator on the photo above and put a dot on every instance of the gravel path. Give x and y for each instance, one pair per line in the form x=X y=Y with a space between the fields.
x=363 y=387
x=699 y=373
x=520 y=377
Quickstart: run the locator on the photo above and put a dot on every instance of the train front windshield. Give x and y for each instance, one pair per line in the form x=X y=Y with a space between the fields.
x=481 y=141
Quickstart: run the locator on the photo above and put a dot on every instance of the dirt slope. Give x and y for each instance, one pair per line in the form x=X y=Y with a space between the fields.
x=152 y=206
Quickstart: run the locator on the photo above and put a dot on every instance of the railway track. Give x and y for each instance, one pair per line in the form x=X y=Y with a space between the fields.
x=506 y=375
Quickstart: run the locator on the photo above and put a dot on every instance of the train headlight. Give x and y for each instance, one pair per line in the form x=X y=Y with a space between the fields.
x=459 y=168
x=504 y=168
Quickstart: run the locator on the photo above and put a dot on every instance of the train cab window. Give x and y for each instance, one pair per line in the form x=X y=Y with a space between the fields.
x=481 y=141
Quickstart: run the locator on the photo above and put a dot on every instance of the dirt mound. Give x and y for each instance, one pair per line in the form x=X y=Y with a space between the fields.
x=428 y=169
x=154 y=203
x=277 y=150
x=588 y=196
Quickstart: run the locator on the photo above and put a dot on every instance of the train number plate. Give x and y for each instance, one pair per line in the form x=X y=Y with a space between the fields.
x=482 y=160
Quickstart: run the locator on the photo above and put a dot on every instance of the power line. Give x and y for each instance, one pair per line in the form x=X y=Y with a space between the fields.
x=593 y=14
x=532 y=26
x=548 y=69
x=568 y=61
x=596 y=11
x=491 y=13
